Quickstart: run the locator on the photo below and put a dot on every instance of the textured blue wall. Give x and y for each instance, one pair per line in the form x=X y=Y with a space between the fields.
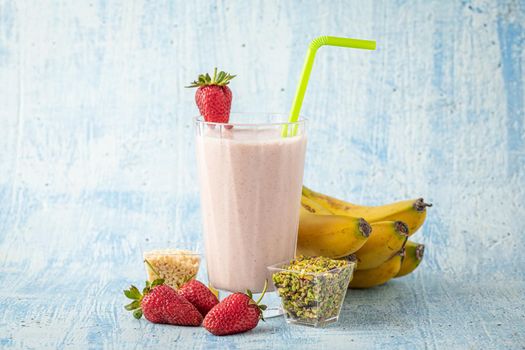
x=96 y=156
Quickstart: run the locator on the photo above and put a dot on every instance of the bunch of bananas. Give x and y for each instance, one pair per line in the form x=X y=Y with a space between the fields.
x=377 y=237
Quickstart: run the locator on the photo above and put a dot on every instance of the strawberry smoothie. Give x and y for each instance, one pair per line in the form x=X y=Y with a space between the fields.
x=250 y=183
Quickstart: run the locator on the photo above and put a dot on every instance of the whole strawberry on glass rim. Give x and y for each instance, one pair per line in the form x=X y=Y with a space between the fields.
x=236 y=313
x=213 y=96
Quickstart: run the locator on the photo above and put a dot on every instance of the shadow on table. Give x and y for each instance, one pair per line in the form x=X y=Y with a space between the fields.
x=391 y=305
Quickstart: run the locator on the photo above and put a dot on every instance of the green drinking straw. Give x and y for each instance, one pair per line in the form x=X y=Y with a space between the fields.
x=307 y=69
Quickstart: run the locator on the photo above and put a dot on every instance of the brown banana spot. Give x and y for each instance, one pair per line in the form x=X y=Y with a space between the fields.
x=329 y=200
x=334 y=203
x=420 y=205
x=309 y=208
x=402 y=253
x=420 y=251
x=351 y=258
x=401 y=228
x=364 y=227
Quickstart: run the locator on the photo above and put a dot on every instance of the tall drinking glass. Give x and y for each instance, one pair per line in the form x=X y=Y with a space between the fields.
x=250 y=185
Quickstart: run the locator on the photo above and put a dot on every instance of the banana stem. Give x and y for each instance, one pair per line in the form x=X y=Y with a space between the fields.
x=420 y=251
x=401 y=228
x=364 y=227
x=420 y=205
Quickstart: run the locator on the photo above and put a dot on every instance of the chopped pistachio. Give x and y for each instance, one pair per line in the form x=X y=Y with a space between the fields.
x=312 y=289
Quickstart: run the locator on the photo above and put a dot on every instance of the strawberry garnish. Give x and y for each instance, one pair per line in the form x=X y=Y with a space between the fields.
x=199 y=295
x=162 y=304
x=237 y=313
x=213 y=97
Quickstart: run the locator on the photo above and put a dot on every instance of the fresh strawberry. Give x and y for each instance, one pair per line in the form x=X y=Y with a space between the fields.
x=237 y=313
x=213 y=97
x=162 y=304
x=199 y=295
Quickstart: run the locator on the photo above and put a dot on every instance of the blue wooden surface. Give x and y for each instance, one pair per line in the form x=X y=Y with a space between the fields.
x=96 y=157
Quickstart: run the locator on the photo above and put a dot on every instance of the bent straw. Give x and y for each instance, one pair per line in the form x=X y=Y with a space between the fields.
x=307 y=69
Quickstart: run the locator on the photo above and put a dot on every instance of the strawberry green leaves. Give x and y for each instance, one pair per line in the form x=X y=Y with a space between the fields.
x=133 y=305
x=134 y=294
x=220 y=79
x=137 y=314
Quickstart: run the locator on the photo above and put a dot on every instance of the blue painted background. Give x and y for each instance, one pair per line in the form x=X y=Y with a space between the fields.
x=96 y=158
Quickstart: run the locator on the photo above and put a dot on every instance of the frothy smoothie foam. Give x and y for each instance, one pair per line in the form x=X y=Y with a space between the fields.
x=250 y=183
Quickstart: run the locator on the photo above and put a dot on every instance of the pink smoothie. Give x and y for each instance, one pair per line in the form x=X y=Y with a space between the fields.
x=250 y=183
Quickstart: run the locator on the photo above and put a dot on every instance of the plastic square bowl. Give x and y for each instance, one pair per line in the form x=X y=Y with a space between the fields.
x=175 y=266
x=311 y=298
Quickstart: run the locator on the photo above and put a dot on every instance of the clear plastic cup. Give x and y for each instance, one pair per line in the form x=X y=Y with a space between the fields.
x=311 y=298
x=174 y=263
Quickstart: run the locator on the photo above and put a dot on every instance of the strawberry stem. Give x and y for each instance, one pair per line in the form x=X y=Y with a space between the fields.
x=263 y=292
x=214 y=75
x=152 y=268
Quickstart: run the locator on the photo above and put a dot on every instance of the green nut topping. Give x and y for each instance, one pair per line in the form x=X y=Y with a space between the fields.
x=312 y=289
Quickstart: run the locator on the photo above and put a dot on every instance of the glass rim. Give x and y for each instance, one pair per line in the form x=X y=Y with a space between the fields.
x=279 y=267
x=200 y=120
x=171 y=248
x=148 y=253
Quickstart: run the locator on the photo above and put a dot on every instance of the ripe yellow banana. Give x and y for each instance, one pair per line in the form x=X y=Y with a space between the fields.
x=413 y=255
x=333 y=236
x=314 y=207
x=412 y=212
x=388 y=237
x=379 y=275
